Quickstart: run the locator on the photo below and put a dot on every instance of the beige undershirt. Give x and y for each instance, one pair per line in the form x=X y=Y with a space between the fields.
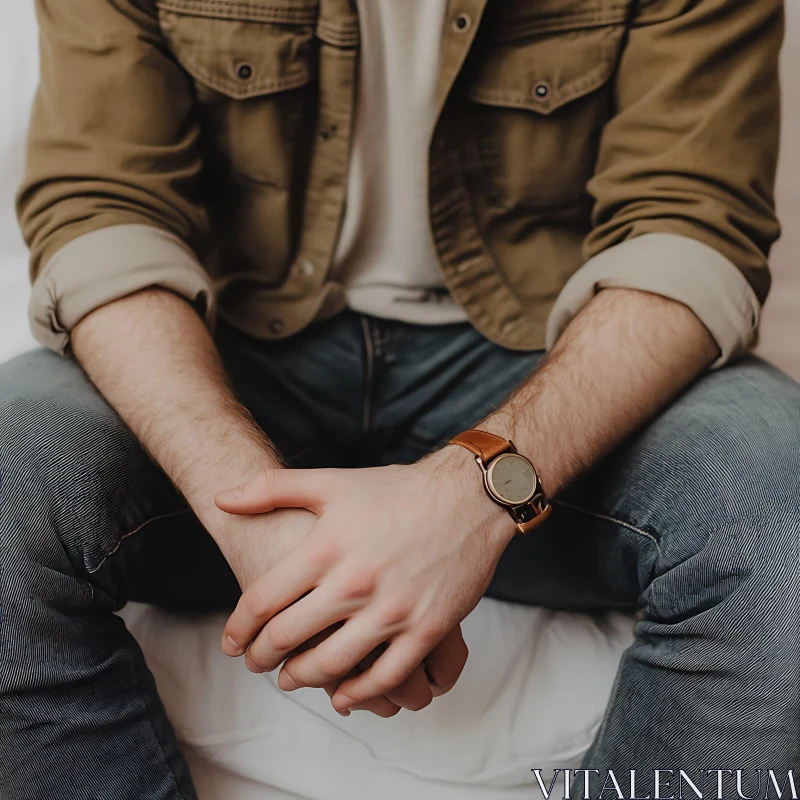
x=386 y=256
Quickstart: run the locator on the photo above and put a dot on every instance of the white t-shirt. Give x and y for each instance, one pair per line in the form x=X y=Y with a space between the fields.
x=386 y=256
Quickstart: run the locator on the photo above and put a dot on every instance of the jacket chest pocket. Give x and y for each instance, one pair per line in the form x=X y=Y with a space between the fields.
x=537 y=92
x=254 y=66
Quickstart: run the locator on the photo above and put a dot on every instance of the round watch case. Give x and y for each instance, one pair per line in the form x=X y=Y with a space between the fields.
x=511 y=480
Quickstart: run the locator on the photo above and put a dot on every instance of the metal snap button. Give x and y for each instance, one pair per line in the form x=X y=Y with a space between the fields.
x=244 y=71
x=305 y=268
x=462 y=22
x=541 y=91
x=276 y=326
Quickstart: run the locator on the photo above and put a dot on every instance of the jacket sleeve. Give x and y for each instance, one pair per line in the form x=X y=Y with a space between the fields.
x=684 y=185
x=111 y=200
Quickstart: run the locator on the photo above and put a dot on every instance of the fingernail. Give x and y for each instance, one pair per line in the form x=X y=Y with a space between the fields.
x=342 y=713
x=234 y=645
x=286 y=683
x=346 y=705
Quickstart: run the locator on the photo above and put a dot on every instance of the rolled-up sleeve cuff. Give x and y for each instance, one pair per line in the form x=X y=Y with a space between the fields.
x=673 y=266
x=104 y=265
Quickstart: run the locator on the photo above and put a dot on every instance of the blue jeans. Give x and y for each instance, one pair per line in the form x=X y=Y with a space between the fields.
x=696 y=520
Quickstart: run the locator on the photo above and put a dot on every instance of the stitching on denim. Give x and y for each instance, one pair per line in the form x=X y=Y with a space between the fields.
x=606 y=517
x=135 y=531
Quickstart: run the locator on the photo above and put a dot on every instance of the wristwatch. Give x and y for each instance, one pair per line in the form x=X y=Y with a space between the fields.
x=510 y=479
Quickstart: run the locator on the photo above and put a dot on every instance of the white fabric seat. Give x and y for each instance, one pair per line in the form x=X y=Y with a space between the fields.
x=532 y=695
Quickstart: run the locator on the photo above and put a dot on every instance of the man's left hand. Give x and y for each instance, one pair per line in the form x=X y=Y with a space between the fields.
x=400 y=555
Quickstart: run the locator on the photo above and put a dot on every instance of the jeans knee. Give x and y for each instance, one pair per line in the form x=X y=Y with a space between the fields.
x=65 y=466
x=740 y=588
x=721 y=459
x=37 y=481
x=55 y=447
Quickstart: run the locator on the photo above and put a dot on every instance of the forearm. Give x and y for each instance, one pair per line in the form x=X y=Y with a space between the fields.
x=153 y=360
x=621 y=360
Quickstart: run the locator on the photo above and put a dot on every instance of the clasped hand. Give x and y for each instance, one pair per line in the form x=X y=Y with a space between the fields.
x=369 y=603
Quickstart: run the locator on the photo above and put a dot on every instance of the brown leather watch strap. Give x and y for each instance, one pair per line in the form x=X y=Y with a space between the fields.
x=485 y=445
x=544 y=508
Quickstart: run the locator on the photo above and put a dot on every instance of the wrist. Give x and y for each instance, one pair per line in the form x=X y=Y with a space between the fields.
x=457 y=476
x=531 y=441
x=224 y=465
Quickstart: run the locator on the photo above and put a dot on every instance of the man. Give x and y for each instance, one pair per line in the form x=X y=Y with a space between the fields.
x=301 y=233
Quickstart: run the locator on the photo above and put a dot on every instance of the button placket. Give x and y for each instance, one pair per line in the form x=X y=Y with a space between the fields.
x=307 y=288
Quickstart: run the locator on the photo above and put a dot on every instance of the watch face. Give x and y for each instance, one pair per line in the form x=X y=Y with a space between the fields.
x=511 y=479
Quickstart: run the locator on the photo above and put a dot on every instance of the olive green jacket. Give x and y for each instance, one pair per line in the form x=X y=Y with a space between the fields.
x=202 y=146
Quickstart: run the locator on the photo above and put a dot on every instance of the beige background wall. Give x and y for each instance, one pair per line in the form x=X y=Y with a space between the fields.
x=780 y=329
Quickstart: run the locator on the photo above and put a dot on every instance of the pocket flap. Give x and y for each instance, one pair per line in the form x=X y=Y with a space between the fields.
x=239 y=57
x=297 y=12
x=542 y=74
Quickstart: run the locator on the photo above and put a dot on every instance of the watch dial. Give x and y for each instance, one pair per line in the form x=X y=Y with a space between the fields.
x=512 y=479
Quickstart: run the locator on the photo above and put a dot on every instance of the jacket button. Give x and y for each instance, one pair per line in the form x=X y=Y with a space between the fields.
x=541 y=91
x=462 y=22
x=305 y=268
x=276 y=326
x=245 y=72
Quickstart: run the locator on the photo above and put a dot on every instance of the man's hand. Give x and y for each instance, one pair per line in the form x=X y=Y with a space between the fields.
x=398 y=554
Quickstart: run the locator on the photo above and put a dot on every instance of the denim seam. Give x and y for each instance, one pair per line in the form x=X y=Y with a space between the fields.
x=135 y=531
x=607 y=518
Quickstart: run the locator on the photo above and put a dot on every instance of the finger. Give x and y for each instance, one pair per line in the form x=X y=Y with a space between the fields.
x=403 y=656
x=445 y=663
x=313 y=641
x=414 y=693
x=330 y=661
x=296 y=575
x=380 y=706
x=278 y=488
x=287 y=630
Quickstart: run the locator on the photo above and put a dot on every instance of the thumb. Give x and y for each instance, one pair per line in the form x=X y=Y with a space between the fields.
x=277 y=488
